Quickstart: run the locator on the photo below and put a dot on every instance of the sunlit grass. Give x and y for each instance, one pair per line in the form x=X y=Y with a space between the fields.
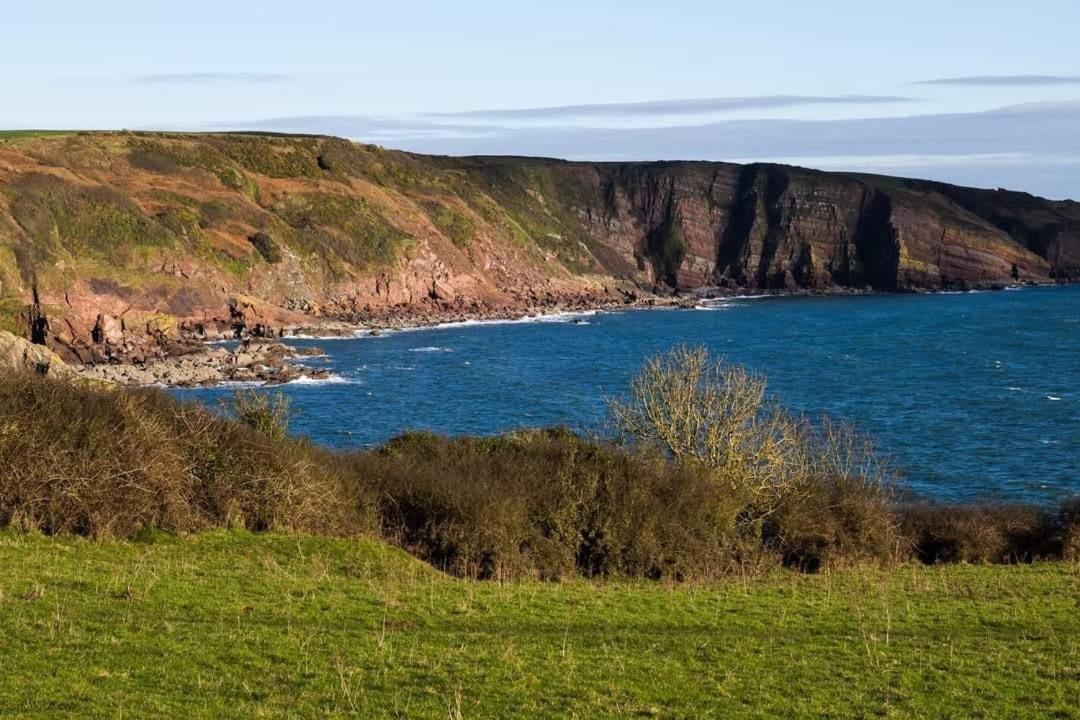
x=229 y=624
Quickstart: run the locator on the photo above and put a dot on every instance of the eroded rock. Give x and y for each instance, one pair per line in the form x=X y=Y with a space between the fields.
x=17 y=353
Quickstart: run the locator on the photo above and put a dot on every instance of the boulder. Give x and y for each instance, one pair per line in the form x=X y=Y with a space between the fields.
x=108 y=329
x=17 y=353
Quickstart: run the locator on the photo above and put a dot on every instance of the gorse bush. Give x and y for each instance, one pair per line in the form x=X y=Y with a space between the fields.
x=985 y=533
x=546 y=504
x=708 y=479
x=265 y=413
x=104 y=462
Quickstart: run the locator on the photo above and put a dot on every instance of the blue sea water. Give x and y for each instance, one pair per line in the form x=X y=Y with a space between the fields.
x=974 y=396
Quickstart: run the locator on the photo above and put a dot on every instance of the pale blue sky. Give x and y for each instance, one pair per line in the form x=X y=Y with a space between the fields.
x=395 y=72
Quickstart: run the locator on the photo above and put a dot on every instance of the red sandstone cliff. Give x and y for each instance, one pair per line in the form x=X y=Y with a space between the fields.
x=134 y=236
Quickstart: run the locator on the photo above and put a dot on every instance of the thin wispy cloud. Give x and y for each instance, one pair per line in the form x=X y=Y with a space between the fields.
x=667 y=108
x=1006 y=80
x=211 y=78
x=1033 y=147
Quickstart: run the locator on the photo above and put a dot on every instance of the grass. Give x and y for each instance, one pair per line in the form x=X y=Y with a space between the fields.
x=32 y=134
x=230 y=624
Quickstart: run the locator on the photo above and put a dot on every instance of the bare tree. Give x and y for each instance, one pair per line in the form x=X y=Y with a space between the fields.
x=697 y=409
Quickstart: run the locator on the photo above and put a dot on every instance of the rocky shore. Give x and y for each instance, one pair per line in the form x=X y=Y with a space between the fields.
x=191 y=360
x=269 y=363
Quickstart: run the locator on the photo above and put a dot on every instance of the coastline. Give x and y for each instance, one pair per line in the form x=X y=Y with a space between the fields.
x=266 y=360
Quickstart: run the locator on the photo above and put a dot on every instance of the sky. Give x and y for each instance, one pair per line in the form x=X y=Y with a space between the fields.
x=982 y=93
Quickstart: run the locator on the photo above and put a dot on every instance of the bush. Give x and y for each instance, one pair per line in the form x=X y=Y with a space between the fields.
x=103 y=462
x=690 y=407
x=981 y=533
x=1069 y=520
x=266 y=414
x=97 y=461
x=152 y=160
x=545 y=504
x=344 y=228
x=57 y=213
x=266 y=246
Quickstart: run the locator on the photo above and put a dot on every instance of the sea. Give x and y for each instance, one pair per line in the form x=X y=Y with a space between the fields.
x=972 y=396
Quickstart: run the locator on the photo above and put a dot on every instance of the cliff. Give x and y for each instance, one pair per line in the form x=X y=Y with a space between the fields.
x=110 y=239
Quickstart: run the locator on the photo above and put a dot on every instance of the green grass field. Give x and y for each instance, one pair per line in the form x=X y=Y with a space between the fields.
x=31 y=134
x=229 y=624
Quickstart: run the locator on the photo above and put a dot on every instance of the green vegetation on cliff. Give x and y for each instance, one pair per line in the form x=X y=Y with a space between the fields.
x=59 y=215
x=340 y=227
x=78 y=208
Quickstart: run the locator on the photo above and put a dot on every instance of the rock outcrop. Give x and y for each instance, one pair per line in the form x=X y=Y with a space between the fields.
x=259 y=362
x=19 y=354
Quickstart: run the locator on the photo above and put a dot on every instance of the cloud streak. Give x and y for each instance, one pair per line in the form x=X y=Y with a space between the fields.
x=1006 y=80
x=211 y=78
x=667 y=108
x=1033 y=147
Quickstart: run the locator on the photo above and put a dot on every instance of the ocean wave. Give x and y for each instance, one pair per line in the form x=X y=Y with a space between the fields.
x=332 y=380
x=572 y=318
x=1052 y=397
x=357 y=333
x=431 y=348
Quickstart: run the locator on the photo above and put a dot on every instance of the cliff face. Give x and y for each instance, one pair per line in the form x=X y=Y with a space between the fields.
x=132 y=236
x=768 y=226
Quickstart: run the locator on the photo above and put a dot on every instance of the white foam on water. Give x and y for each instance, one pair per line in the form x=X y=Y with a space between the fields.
x=358 y=333
x=561 y=317
x=431 y=348
x=300 y=360
x=332 y=380
x=1052 y=397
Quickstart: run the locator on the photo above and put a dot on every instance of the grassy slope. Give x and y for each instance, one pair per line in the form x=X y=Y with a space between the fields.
x=125 y=209
x=229 y=624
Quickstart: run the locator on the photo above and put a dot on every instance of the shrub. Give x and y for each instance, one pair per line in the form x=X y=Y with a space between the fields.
x=1069 y=520
x=215 y=213
x=690 y=407
x=104 y=462
x=980 y=533
x=546 y=504
x=266 y=247
x=549 y=504
x=153 y=160
x=265 y=413
x=56 y=213
x=452 y=222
